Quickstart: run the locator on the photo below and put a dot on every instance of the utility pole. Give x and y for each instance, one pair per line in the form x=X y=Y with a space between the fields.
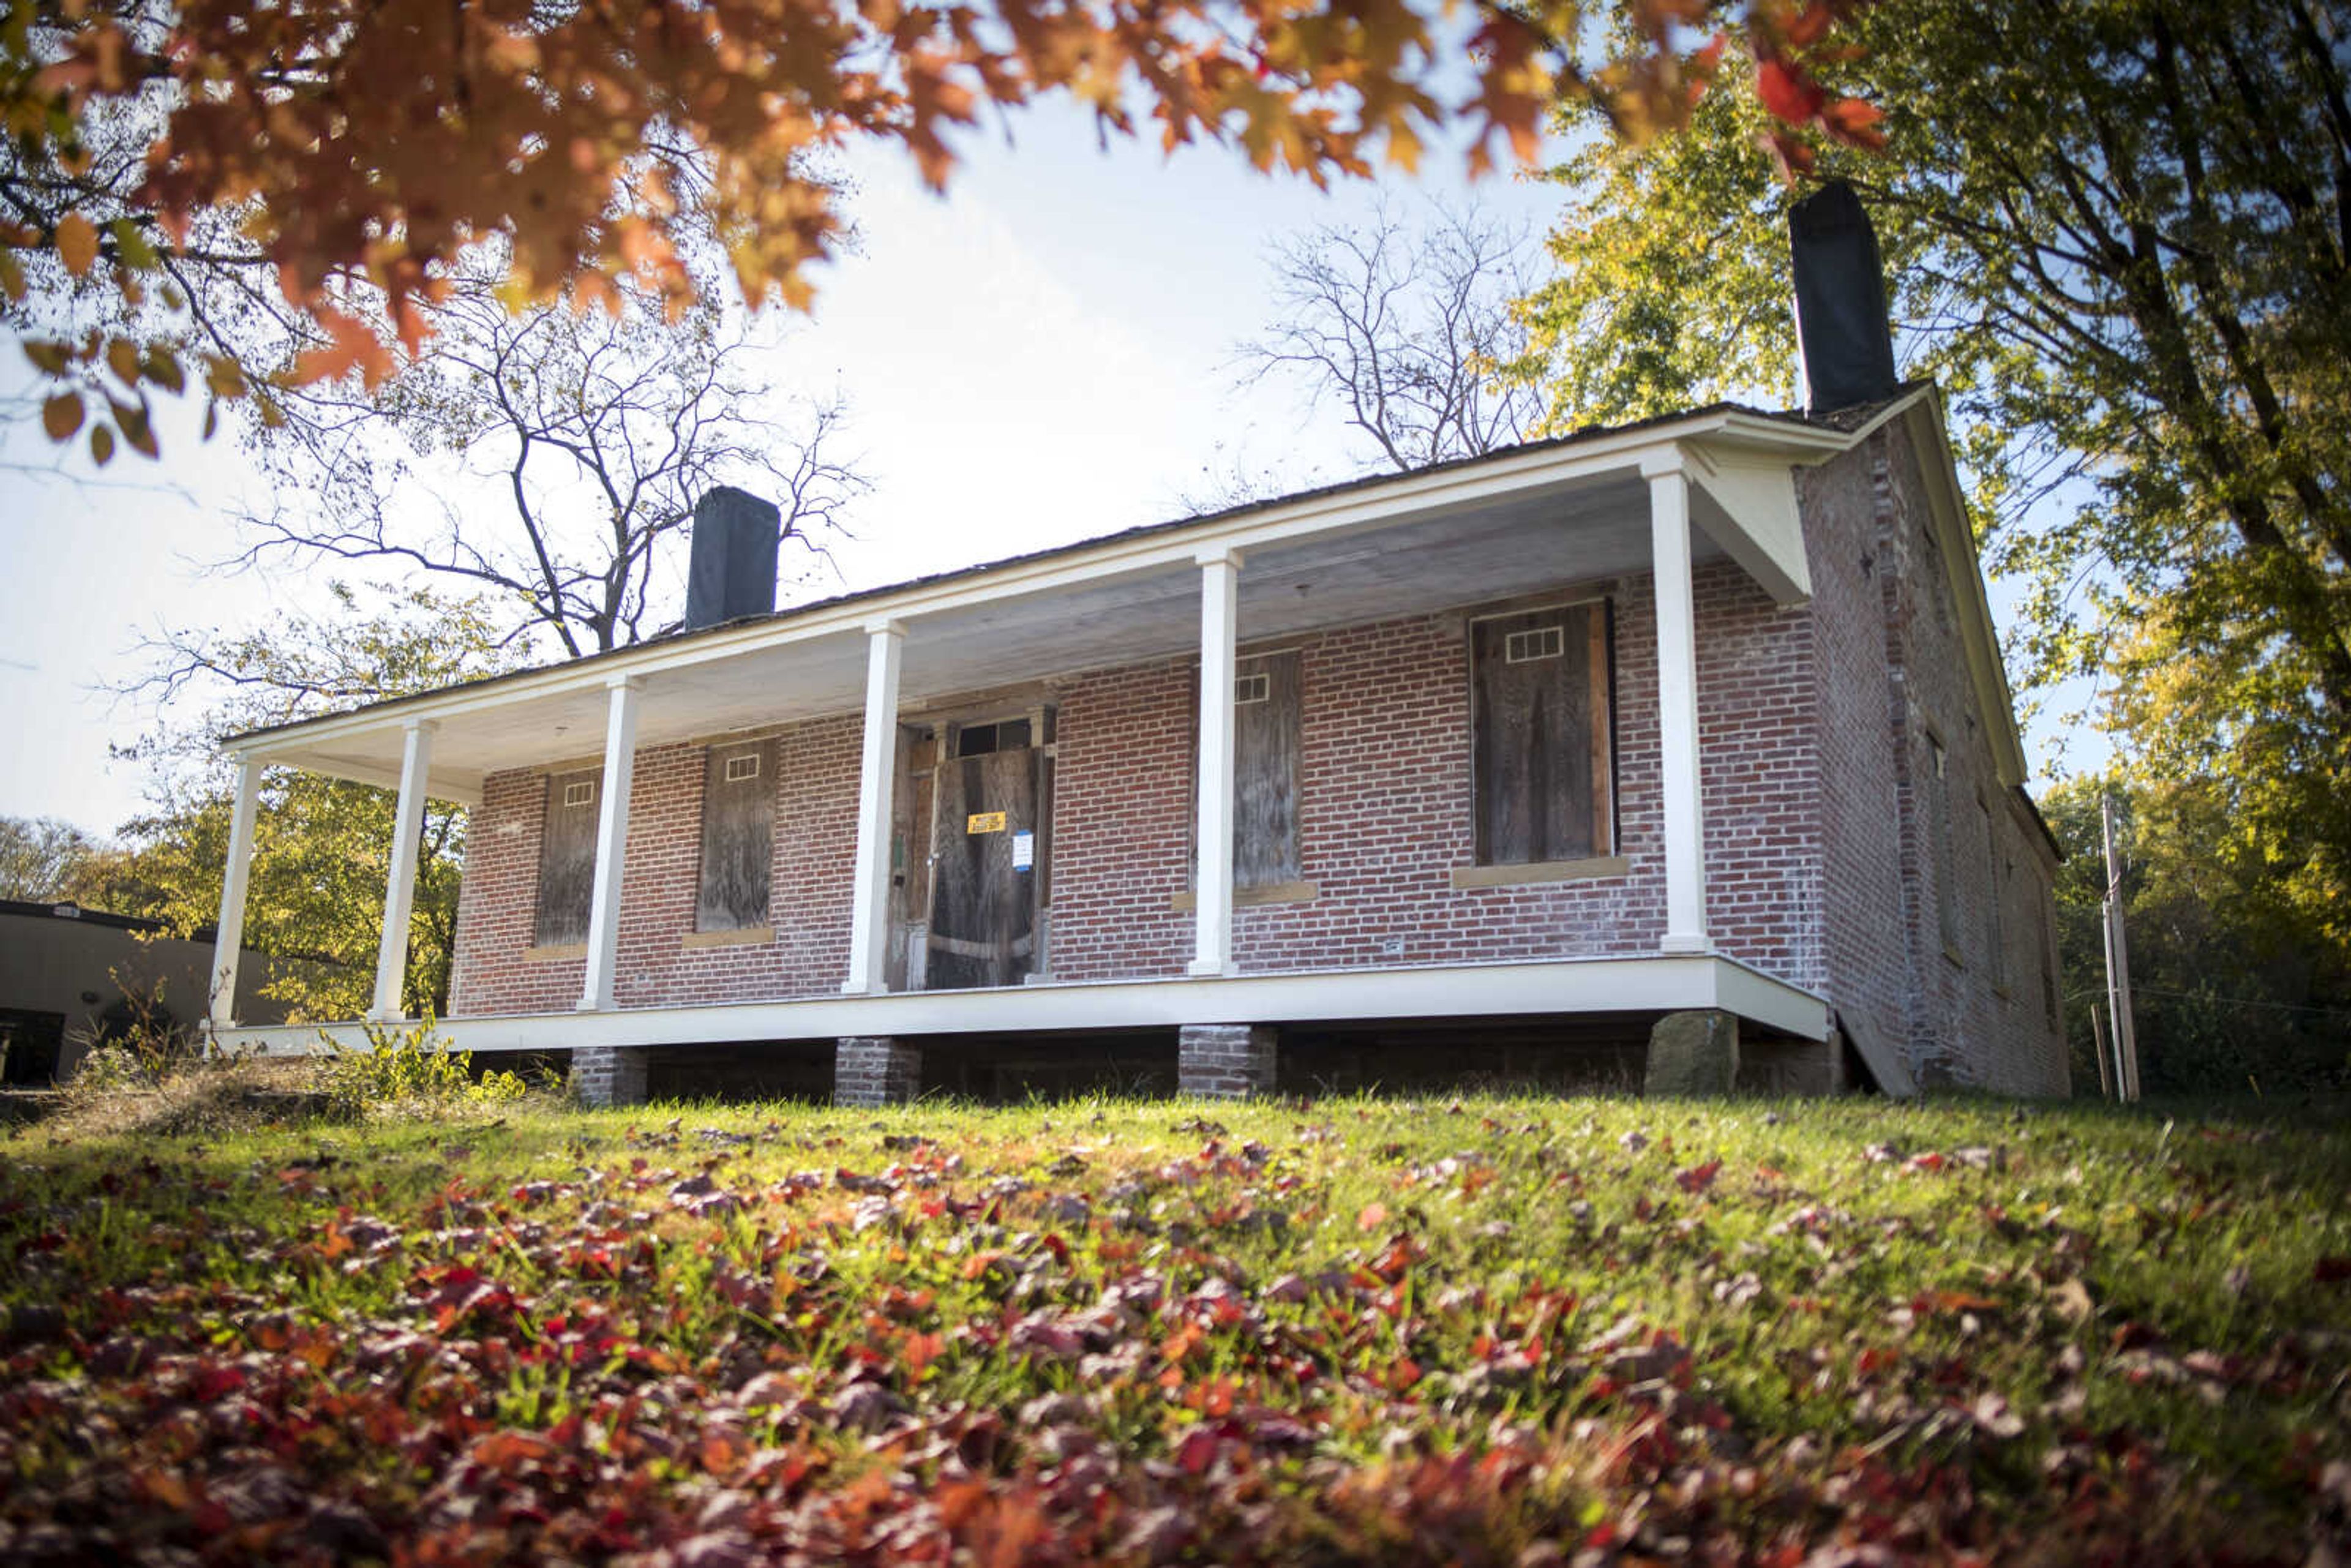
x=2118 y=993
x=2098 y=1040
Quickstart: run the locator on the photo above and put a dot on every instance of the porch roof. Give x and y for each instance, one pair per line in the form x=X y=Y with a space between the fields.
x=1570 y=509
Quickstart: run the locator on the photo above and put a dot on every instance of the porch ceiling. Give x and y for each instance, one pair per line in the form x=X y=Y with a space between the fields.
x=1587 y=527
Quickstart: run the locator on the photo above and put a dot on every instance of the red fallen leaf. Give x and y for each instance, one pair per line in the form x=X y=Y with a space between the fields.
x=508 y=1449
x=1930 y=1160
x=1373 y=1215
x=918 y=1350
x=215 y=1380
x=1697 y=1178
x=1402 y=1253
x=1953 y=1302
x=2331 y=1270
x=1403 y=1373
x=723 y=1450
x=167 y=1487
x=1197 y=1451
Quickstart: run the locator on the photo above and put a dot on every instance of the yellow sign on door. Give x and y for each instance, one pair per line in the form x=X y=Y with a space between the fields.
x=984 y=822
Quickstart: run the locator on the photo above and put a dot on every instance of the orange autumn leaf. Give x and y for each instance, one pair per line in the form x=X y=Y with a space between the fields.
x=76 y=243
x=61 y=415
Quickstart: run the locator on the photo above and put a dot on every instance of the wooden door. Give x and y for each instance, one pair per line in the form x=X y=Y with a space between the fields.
x=983 y=925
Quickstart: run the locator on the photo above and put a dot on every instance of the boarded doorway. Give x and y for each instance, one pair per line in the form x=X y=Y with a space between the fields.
x=30 y=1046
x=978 y=795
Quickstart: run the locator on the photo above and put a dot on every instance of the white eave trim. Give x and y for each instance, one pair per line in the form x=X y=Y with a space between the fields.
x=1979 y=635
x=1153 y=550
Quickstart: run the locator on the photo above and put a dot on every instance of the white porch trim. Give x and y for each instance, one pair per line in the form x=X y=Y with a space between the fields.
x=1212 y=914
x=1728 y=434
x=1654 y=983
x=228 y=932
x=612 y=844
x=1683 y=814
x=400 y=879
x=869 y=910
x=1751 y=513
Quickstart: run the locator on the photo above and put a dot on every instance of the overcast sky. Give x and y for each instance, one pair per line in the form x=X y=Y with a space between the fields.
x=1042 y=356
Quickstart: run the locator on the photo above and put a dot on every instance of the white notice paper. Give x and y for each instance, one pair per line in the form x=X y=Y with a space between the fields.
x=1024 y=850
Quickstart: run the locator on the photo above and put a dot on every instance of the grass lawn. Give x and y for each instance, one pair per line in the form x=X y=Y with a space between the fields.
x=1498 y=1331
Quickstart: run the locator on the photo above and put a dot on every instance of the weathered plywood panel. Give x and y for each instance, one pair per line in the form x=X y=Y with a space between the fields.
x=1539 y=779
x=738 y=836
x=1265 y=772
x=567 y=857
x=910 y=855
x=983 y=911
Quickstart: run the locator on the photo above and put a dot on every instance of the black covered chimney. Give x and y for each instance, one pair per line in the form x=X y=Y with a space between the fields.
x=1841 y=329
x=733 y=570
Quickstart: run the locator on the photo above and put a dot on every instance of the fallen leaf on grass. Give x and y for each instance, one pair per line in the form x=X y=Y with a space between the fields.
x=1697 y=1178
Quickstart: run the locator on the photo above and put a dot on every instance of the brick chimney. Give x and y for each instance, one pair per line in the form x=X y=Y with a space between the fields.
x=733 y=570
x=1842 y=328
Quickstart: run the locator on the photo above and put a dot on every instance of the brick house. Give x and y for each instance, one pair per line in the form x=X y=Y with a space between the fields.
x=1564 y=756
x=1701 y=715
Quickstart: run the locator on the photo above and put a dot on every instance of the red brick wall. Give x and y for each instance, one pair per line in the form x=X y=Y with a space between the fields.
x=1384 y=807
x=1885 y=612
x=816 y=831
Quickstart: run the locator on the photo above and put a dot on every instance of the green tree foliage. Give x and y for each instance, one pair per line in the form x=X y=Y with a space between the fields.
x=2117 y=236
x=2235 y=983
x=43 y=859
x=321 y=846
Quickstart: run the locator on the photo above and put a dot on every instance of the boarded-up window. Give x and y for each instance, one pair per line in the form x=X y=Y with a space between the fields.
x=738 y=836
x=1265 y=770
x=1540 y=748
x=567 y=858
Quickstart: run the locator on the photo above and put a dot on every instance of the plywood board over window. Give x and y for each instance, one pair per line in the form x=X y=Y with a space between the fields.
x=567 y=857
x=1541 y=750
x=1265 y=770
x=739 y=837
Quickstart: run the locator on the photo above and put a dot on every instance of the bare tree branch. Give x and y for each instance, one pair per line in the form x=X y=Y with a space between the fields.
x=1408 y=325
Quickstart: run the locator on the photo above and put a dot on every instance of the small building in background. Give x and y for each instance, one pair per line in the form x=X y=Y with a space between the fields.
x=70 y=976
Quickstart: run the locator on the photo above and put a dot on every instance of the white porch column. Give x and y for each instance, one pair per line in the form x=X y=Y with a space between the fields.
x=612 y=844
x=1213 y=876
x=1684 y=829
x=228 y=938
x=877 y=775
x=400 y=885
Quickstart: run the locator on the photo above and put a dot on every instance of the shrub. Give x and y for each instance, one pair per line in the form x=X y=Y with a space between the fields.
x=414 y=1068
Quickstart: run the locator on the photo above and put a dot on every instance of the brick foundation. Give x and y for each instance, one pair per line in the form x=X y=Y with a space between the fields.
x=870 y=1070
x=605 y=1075
x=1226 y=1061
